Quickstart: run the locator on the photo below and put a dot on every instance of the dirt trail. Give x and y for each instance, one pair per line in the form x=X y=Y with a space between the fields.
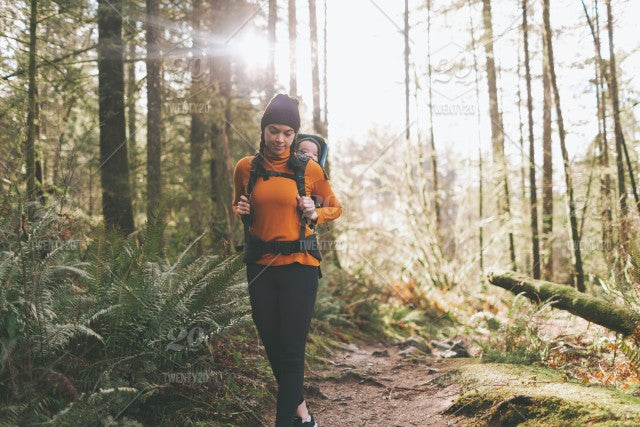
x=382 y=385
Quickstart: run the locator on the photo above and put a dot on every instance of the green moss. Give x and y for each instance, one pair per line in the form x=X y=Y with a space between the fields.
x=508 y=395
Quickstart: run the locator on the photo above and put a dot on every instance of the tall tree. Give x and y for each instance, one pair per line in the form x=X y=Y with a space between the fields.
x=220 y=165
x=114 y=164
x=318 y=125
x=523 y=155
x=573 y=220
x=197 y=130
x=497 y=131
x=480 y=176
x=225 y=93
x=434 y=161
x=617 y=126
x=154 y=112
x=547 y=164
x=271 y=68
x=406 y=69
x=325 y=84
x=293 y=42
x=605 y=181
x=130 y=30
x=603 y=145
x=31 y=110
x=532 y=165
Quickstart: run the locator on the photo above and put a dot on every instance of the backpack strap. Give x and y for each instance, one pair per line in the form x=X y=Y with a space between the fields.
x=247 y=219
x=302 y=191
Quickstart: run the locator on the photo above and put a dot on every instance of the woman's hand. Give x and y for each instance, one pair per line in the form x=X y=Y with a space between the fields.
x=307 y=206
x=244 y=208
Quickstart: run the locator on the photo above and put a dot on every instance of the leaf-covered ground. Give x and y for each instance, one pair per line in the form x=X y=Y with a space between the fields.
x=387 y=385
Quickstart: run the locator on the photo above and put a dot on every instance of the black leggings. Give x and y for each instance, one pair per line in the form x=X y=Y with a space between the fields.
x=282 y=299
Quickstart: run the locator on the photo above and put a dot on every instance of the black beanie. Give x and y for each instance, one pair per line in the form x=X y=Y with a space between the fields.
x=283 y=110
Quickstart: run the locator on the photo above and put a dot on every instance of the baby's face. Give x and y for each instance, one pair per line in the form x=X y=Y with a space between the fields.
x=309 y=149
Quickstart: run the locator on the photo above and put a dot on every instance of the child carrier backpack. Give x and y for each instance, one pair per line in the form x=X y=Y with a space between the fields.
x=322 y=156
x=254 y=248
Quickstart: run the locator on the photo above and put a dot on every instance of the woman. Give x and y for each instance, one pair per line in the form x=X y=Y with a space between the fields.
x=282 y=276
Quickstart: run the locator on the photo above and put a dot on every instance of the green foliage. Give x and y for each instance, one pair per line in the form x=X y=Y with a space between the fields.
x=632 y=352
x=90 y=327
x=515 y=340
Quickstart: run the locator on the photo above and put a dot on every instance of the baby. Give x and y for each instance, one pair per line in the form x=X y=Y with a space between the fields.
x=309 y=148
x=313 y=147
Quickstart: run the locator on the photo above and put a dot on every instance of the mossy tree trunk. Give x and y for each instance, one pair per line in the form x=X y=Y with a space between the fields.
x=611 y=316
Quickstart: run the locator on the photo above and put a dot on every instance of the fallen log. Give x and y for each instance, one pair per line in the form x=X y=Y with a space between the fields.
x=612 y=316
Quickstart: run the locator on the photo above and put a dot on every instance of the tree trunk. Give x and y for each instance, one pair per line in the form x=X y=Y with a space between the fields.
x=61 y=141
x=114 y=164
x=616 y=318
x=318 y=125
x=523 y=168
x=620 y=142
x=480 y=175
x=197 y=131
x=406 y=70
x=293 y=42
x=573 y=220
x=434 y=160
x=497 y=132
x=30 y=144
x=547 y=164
x=325 y=84
x=532 y=164
x=131 y=116
x=220 y=164
x=271 y=67
x=225 y=92
x=613 y=92
x=603 y=143
x=154 y=113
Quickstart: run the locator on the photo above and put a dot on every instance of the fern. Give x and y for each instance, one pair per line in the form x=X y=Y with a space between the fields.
x=100 y=320
x=632 y=353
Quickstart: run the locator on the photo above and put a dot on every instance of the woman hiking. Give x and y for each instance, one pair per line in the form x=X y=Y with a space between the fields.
x=272 y=196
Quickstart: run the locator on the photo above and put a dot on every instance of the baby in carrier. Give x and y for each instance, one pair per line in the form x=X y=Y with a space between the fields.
x=315 y=148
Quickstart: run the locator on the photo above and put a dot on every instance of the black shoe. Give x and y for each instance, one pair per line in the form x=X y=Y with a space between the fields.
x=311 y=423
x=297 y=421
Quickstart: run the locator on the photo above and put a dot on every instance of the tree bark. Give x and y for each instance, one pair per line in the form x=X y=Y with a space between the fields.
x=114 y=164
x=131 y=116
x=532 y=165
x=293 y=42
x=225 y=92
x=406 y=71
x=197 y=130
x=318 y=125
x=497 y=132
x=621 y=146
x=271 y=67
x=614 y=317
x=573 y=220
x=480 y=174
x=547 y=164
x=603 y=143
x=30 y=145
x=325 y=85
x=154 y=111
x=434 y=160
x=220 y=165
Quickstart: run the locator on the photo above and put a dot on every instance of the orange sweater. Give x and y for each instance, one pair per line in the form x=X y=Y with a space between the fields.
x=276 y=214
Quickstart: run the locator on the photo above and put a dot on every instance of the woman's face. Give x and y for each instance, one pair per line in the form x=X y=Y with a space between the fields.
x=309 y=149
x=278 y=138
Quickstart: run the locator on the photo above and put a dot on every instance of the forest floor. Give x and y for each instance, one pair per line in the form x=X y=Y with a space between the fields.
x=382 y=385
x=386 y=384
